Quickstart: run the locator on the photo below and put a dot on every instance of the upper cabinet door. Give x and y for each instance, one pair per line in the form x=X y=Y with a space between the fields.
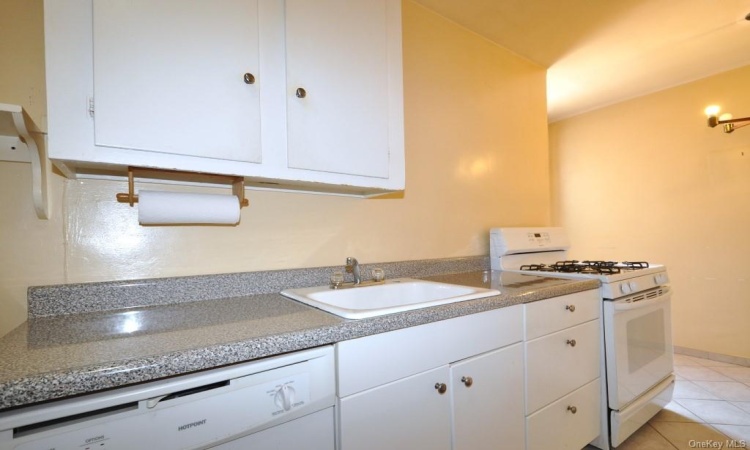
x=338 y=85
x=169 y=77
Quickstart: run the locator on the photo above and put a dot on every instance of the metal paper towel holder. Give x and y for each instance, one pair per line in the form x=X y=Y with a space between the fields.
x=238 y=183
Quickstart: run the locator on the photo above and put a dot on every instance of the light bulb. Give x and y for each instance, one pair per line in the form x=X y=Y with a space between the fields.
x=712 y=110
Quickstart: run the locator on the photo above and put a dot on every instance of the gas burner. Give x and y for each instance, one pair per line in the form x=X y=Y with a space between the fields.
x=575 y=266
x=599 y=263
x=635 y=265
x=569 y=263
x=538 y=268
x=571 y=266
x=601 y=267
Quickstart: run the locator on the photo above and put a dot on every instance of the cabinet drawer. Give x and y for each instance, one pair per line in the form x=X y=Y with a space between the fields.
x=378 y=359
x=555 y=366
x=555 y=314
x=556 y=426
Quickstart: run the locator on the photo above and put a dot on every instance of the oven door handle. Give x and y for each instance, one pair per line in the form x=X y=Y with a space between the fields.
x=629 y=306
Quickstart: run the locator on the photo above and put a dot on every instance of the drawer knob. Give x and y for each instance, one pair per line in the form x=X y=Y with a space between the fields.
x=572 y=409
x=571 y=342
x=300 y=93
x=249 y=78
x=571 y=308
x=441 y=388
x=468 y=381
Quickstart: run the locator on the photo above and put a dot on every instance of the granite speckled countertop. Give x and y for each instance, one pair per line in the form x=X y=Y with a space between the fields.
x=55 y=356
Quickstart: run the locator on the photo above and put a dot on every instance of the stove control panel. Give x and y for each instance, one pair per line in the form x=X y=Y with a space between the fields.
x=615 y=289
x=539 y=239
x=509 y=241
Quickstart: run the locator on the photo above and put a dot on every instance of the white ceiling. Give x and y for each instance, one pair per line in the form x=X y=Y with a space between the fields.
x=600 y=52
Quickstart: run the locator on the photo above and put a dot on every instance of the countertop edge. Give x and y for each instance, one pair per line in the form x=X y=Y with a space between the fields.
x=25 y=391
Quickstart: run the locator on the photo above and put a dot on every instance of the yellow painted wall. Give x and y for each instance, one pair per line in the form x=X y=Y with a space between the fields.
x=476 y=157
x=22 y=49
x=647 y=179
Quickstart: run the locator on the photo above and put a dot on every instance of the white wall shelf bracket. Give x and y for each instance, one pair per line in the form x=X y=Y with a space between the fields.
x=18 y=145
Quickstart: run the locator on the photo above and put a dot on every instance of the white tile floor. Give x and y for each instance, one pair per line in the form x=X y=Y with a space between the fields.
x=711 y=405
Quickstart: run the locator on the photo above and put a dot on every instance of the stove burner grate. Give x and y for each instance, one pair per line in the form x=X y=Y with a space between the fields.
x=600 y=263
x=538 y=268
x=585 y=267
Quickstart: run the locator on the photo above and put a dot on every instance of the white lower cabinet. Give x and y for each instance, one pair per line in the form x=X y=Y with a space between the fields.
x=466 y=394
x=570 y=355
x=563 y=385
x=557 y=426
x=405 y=414
x=521 y=377
x=487 y=399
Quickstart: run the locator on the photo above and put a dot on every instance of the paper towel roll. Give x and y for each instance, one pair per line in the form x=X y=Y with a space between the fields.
x=162 y=208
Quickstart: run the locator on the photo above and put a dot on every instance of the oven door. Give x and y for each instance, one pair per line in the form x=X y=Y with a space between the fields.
x=638 y=340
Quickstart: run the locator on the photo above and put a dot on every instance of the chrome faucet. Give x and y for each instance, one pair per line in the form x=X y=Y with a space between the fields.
x=352 y=265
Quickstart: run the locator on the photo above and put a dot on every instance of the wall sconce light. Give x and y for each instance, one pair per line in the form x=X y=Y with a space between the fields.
x=725 y=119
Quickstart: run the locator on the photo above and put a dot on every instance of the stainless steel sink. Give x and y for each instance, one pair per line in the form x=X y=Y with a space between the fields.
x=390 y=296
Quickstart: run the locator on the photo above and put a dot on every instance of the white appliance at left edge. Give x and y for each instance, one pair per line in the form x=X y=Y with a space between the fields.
x=278 y=403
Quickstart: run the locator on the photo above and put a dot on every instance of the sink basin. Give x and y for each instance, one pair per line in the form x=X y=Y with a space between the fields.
x=391 y=296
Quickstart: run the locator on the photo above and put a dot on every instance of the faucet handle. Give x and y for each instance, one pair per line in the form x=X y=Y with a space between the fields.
x=337 y=279
x=378 y=274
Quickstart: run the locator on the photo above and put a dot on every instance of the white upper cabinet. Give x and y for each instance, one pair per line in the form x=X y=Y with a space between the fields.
x=338 y=120
x=169 y=77
x=296 y=94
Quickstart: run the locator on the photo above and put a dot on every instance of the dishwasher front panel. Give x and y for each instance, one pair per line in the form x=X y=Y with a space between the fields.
x=216 y=411
x=311 y=432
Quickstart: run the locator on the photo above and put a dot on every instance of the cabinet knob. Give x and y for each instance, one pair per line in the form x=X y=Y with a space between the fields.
x=571 y=308
x=441 y=388
x=468 y=381
x=571 y=342
x=572 y=409
x=249 y=78
x=300 y=93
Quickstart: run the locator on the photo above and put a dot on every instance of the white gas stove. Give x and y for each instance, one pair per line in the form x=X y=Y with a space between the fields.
x=637 y=353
